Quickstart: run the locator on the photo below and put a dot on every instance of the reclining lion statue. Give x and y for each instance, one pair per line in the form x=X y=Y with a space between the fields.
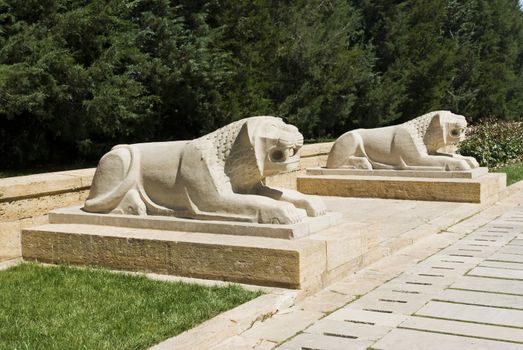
x=215 y=177
x=413 y=145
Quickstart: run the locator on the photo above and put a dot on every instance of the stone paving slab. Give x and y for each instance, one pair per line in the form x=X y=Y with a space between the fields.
x=496 y=273
x=472 y=313
x=402 y=339
x=440 y=270
x=481 y=298
x=507 y=257
x=502 y=265
x=488 y=238
x=373 y=318
x=483 y=242
x=414 y=279
x=464 y=328
x=349 y=329
x=242 y=343
x=391 y=302
x=460 y=251
x=492 y=285
x=308 y=341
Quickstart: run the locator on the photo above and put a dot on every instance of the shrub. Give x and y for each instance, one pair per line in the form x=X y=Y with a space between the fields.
x=494 y=143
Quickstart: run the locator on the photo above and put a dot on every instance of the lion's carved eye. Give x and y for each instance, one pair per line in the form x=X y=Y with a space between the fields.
x=455 y=132
x=277 y=156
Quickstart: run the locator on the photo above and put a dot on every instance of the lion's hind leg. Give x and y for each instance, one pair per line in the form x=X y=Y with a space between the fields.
x=348 y=152
x=132 y=204
x=114 y=184
x=359 y=163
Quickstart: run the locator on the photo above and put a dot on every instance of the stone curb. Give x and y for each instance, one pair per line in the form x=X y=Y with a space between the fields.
x=4 y=265
x=230 y=323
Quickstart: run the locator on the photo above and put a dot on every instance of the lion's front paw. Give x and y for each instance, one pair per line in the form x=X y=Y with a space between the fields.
x=282 y=213
x=314 y=206
x=457 y=165
x=473 y=163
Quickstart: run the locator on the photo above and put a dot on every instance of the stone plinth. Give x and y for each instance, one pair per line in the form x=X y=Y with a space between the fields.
x=309 y=225
x=449 y=186
x=300 y=263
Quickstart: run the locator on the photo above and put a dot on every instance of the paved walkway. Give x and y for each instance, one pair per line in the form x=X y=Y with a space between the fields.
x=468 y=295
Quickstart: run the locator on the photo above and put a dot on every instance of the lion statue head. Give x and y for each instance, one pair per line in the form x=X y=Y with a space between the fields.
x=444 y=129
x=253 y=148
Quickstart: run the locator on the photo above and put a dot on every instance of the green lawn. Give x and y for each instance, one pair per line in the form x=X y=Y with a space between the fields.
x=71 y=308
x=514 y=172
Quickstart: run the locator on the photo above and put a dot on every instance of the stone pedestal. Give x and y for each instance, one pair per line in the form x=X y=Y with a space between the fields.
x=232 y=251
x=472 y=186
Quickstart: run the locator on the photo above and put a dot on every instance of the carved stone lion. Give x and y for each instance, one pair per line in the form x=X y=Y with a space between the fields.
x=412 y=145
x=216 y=177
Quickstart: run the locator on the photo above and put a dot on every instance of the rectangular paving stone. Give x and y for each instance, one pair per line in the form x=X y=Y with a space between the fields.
x=402 y=339
x=508 y=249
x=308 y=341
x=506 y=257
x=439 y=270
x=475 y=243
x=452 y=261
x=497 y=273
x=241 y=343
x=480 y=298
x=461 y=251
x=472 y=313
x=412 y=287
x=464 y=329
x=489 y=285
x=488 y=238
x=391 y=302
x=349 y=314
x=465 y=246
x=349 y=329
x=502 y=265
x=425 y=279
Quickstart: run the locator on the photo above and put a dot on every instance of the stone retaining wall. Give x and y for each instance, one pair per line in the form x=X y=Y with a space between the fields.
x=26 y=200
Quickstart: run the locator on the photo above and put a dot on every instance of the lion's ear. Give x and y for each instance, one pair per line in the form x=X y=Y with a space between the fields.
x=247 y=139
x=436 y=132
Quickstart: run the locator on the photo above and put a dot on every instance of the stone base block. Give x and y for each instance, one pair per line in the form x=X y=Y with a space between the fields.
x=302 y=263
x=310 y=225
x=483 y=189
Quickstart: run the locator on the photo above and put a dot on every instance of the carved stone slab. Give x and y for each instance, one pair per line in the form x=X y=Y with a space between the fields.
x=464 y=174
x=307 y=226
